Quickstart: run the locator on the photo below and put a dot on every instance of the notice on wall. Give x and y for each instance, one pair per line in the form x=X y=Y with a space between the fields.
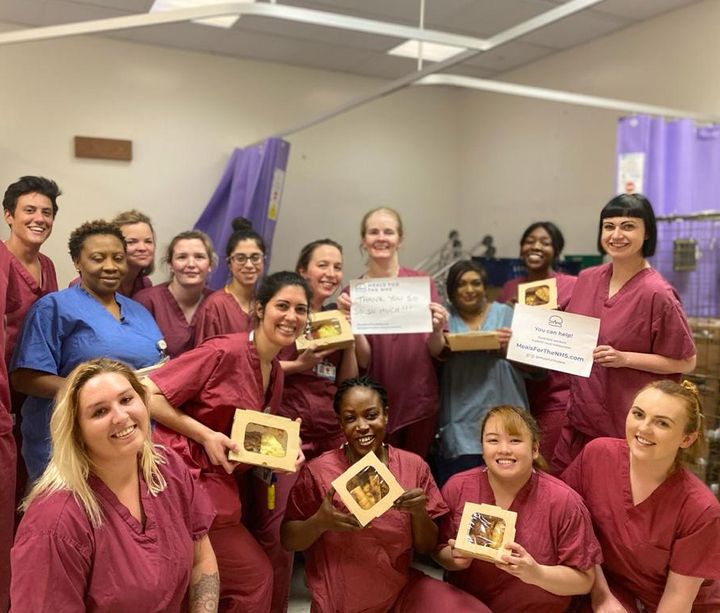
x=553 y=340
x=399 y=305
x=631 y=173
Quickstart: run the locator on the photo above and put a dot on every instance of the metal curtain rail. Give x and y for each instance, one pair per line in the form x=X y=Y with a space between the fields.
x=528 y=91
x=474 y=46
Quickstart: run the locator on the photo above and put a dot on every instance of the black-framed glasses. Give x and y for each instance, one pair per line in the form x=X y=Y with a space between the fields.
x=241 y=259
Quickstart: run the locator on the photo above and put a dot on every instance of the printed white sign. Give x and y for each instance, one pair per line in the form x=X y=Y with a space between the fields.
x=553 y=340
x=631 y=173
x=399 y=305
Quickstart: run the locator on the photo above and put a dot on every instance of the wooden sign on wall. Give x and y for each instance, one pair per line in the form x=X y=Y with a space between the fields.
x=103 y=148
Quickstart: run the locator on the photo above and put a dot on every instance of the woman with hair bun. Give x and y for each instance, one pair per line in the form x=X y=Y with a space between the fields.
x=658 y=524
x=644 y=334
x=175 y=304
x=541 y=245
x=230 y=309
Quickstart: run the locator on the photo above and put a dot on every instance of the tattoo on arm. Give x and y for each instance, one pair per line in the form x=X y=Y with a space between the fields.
x=204 y=594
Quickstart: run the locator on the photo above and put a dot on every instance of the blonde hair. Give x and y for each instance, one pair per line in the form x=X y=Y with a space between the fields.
x=516 y=422
x=381 y=209
x=133 y=216
x=70 y=465
x=687 y=392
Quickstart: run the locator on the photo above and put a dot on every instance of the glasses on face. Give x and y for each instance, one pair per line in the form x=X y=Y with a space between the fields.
x=241 y=259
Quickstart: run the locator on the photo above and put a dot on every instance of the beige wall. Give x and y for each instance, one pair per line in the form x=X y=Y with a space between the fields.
x=185 y=112
x=526 y=159
x=482 y=163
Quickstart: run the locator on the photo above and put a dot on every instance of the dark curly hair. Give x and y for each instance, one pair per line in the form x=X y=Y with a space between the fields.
x=31 y=185
x=363 y=381
x=91 y=228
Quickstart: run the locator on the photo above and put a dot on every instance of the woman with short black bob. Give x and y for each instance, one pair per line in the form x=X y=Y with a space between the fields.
x=657 y=523
x=644 y=333
x=115 y=523
x=353 y=569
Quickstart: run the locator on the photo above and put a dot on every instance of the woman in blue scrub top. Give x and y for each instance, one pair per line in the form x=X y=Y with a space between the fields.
x=86 y=321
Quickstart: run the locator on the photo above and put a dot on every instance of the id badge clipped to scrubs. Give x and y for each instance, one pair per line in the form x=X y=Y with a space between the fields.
x=326 y=370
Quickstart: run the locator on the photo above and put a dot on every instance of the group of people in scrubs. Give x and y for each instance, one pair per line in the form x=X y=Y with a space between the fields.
x=132 y=503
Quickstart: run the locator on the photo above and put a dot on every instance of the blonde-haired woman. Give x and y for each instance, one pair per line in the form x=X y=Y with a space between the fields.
x=657 y=523
x=139 y=235
x=390 y=358
x=114 y=523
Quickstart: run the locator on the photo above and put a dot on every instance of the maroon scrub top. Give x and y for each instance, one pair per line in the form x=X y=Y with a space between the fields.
x=122 y=566
x=645 y=316
x=25 y=292
x=677 y=528
x=220 y=313
x=402 y=364
x=553 y=525
x=177 y=332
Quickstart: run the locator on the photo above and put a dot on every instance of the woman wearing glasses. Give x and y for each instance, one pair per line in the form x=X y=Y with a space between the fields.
x=229 y=309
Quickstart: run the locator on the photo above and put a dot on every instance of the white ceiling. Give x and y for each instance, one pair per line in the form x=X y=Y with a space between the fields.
x=273 y=40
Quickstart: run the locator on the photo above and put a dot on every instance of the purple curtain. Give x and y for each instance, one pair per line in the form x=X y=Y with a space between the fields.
x=250 y=187
x=680 y=175
x=682 y=162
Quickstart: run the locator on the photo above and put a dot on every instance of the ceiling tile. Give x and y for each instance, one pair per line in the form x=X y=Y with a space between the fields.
x=509 y=56
x=640 y=9
x=576 y=29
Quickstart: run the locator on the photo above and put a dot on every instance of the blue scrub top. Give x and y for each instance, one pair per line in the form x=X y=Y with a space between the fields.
x=68 y=327
x=473 y=382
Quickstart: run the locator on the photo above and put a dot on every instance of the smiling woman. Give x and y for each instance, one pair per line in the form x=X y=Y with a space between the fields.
x=657 y=556
x=555 y=551
x=194 y=397
x=175 y=305
x=109 y=506
x=82 y=322
x=230 y=309
x=472 y=382
x=644 y=334
x=350 y=568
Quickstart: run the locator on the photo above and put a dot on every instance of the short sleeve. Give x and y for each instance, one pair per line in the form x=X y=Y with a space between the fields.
x=573 y=474
x=577 y=545
x=207 y=323
x=52 y=556
x=200 y=511
x=671 y=334
x=436 y=506
x=450 y=522
x=305 y=497
x=183 y=378
x=702 y=536
x=39 y=346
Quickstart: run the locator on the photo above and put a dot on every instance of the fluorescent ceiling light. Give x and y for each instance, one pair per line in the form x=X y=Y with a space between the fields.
x=224 y=21
x=433 y=52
